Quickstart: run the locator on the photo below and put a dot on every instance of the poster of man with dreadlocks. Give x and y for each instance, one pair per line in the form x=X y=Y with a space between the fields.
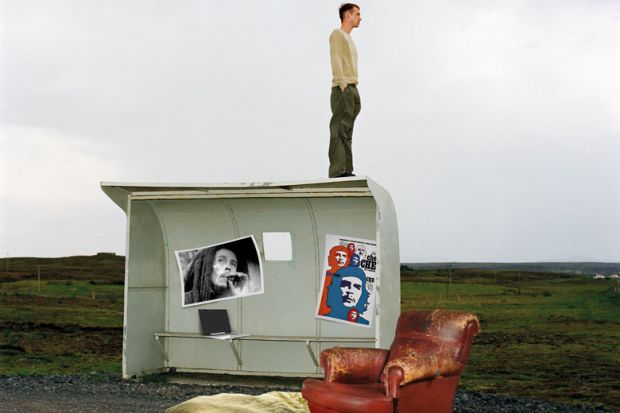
x=348 y=281
x=227 y=270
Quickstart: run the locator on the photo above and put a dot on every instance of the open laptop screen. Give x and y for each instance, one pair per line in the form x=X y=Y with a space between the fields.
x=214 y=322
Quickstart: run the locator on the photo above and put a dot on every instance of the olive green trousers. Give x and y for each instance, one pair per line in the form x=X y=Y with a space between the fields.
x=346 y=105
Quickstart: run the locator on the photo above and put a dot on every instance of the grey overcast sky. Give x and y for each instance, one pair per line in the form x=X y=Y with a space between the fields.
x=494 y=124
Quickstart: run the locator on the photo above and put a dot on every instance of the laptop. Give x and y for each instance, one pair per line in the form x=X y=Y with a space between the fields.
x=216 y=324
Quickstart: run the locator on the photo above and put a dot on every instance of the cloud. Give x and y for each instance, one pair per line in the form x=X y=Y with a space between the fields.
x=50 y=201
x=494 y=125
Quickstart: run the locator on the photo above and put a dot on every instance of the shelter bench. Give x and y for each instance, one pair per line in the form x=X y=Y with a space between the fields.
x=291 y=339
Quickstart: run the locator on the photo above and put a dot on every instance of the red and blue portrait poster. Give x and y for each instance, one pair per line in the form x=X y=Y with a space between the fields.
x=350 y=272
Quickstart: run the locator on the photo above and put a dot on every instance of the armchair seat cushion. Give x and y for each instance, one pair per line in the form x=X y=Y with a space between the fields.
x=421 y=368
x=348 y=398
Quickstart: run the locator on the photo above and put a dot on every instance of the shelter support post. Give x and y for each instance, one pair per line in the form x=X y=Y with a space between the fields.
x=161 y=348
x=316 y=363
x=235 y=351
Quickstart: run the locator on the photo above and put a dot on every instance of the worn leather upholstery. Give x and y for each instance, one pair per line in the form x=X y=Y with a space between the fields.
x=419 y=368
x=347 y=398
x=420 y=373
x=353 y=365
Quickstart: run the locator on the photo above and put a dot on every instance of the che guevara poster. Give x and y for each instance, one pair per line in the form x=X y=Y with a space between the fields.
x=350 y=273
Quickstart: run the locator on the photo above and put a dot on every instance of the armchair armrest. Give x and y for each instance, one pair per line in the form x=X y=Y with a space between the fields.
x=404 y=370
x=353 y=365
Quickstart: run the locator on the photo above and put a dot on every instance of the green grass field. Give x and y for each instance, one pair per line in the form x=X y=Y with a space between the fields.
x=545 y=335
x=60 y=327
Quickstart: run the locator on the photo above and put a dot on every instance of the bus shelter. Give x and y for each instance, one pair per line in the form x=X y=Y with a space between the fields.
x=295 y=229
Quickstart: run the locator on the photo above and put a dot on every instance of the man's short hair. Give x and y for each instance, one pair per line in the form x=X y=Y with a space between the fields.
x=345 y=7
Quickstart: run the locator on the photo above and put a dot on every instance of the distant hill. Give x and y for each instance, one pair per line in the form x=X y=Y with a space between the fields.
x=109 y=267
x=103 y=266
x=584 y=268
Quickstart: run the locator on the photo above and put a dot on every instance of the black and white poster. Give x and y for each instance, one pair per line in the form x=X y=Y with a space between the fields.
x=230 y=269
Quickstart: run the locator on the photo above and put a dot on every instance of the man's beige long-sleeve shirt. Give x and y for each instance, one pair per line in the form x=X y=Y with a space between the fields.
x=343 y=57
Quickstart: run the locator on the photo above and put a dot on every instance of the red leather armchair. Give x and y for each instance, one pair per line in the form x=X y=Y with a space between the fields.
x=419 y=374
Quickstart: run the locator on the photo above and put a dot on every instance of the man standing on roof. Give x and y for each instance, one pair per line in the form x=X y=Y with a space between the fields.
x=345 y=99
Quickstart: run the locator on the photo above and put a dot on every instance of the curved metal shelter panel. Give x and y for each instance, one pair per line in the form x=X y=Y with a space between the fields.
x=284 y=336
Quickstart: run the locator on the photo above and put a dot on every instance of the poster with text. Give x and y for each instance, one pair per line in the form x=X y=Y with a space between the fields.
x=226 y=270
x=350 y=272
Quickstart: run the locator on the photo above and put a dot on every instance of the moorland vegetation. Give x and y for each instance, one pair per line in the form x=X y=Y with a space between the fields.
x=546 y=333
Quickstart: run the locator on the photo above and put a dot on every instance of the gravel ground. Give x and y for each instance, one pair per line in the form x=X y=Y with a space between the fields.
x=108 y=393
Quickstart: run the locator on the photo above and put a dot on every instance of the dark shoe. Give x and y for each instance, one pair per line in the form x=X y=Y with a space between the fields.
x=344 y=175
